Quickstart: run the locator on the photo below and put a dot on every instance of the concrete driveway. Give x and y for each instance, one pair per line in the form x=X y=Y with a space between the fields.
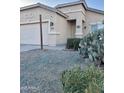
x=28 y=47
x=25 y=47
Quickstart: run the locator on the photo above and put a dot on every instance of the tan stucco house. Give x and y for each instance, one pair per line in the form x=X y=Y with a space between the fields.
x=69 y=20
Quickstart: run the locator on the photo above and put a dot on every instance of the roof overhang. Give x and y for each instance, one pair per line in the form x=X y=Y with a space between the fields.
x=44 y=7
x=72 y=3
x=83 y=2
x=95 y=10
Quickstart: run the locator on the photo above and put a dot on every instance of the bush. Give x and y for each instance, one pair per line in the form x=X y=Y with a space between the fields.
x=73 y=43
x=93 y=88
x=92 y=47
x=79 y=81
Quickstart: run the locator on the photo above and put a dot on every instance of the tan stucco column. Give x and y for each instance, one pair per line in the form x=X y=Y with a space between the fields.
x=79 y=28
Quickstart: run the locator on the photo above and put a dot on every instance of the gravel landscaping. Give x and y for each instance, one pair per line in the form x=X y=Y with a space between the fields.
x=40 y=70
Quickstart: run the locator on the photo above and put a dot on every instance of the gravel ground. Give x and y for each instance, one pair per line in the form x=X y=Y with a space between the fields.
x=41 y=70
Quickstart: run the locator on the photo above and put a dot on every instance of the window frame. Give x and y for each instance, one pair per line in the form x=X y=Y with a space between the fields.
x=98 y=24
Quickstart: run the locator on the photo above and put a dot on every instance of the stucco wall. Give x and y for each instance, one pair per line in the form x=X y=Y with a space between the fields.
x=29 y=16
x=32 y=15
x=74 y=11
x=46 y=14
x=64 y=29
x=72 y=8
x=73 y=28
x=60 y=30
x=52 y=17
x=92 y=17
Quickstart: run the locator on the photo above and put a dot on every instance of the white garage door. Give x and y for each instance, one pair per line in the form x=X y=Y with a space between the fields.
x=30 y=34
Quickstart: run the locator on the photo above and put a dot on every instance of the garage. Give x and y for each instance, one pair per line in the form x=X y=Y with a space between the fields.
x=30 y=33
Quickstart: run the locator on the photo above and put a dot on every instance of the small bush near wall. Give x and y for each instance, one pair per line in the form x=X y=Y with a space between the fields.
x=92 y=47
x=73 y=43
x=93 y=88
x=89 y=80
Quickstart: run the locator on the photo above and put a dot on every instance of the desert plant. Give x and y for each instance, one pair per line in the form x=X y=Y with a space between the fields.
x=92 y=47
x=73 y=43
x=77 y=80
x=92 y=88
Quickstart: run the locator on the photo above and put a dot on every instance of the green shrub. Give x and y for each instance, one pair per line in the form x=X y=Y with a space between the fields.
x=73 y=43
x=92 y=88
x=78 y=80
x=92 y=47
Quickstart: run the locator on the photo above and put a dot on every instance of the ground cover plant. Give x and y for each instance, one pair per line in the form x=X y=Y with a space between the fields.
x=77 y=80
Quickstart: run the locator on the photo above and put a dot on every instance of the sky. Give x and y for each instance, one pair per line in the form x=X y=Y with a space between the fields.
x=97 y=4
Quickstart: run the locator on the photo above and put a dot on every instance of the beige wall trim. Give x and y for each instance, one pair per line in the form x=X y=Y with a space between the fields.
x=94 y=23
x=36 y=22
x=29 y=23
x=54 y=33
x=44 y=21
x=78 y=33
x=73 y=11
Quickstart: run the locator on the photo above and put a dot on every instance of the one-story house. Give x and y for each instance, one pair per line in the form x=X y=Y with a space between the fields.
x=69 y=20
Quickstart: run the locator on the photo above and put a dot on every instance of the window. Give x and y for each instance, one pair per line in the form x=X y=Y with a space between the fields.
x=51 y=23
x=100 y=26
x=94 y=27
x=51 y=26
x=97 y=26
